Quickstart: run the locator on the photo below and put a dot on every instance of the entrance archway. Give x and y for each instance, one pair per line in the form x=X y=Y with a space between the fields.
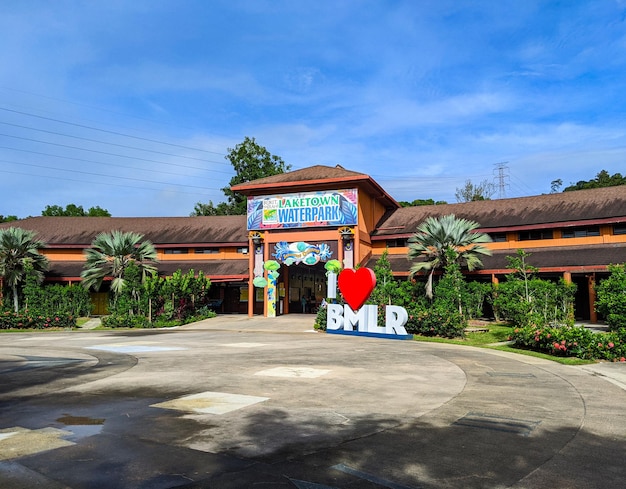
x=308 y=282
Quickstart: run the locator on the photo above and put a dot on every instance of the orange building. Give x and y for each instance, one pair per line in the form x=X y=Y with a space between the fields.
x=301 y=219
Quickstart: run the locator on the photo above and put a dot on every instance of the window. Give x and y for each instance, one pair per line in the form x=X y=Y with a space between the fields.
x=581 y=232
x=498 y=237
x=619 y=228
x=243 y=250
x=176 y=251
x=396 y=243
x=535 y=234
x=206 y=251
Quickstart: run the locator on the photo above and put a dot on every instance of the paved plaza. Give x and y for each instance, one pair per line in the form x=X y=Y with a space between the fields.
x=238 y=402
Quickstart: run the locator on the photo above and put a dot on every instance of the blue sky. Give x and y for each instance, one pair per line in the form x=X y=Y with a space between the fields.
x=132 y=106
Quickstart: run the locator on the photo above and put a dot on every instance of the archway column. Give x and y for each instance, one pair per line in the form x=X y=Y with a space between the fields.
x=591 y=285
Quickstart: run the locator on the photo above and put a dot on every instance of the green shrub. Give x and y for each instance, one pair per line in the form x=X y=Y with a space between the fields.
x=125 y=321
x=436 y=320
x=534 y=302
x=320 y=318
x=473 y=298
x=611 y=297
x=22 y=320
x=573 y=341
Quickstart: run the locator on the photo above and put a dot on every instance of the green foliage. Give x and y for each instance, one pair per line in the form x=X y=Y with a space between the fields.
x=471 y=192
x=250 y=161
x=473 y=296
x=528 y=301
x=47 y=306
x=321 y=318
x=436 y=320
x=611 y=297
x=19 y=251
x=436 y=238
x=126 y=321
x=573 y=341
x=445 y=316
x=158 y=301
x=418 y=202
x=602 y=179
x=322 y=315
x=71 y=300
x=8 y=218
x=111 y=253
x=73 y=210
x=25 y=320
x=210 y=209
x=386 y=288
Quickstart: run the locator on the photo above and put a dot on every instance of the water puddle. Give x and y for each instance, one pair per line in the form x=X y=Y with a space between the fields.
x=81 y=426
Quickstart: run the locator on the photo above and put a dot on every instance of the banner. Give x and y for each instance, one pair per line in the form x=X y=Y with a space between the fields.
x=307 y=209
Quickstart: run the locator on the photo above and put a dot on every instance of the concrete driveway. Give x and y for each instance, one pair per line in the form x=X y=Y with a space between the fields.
x=234 y=402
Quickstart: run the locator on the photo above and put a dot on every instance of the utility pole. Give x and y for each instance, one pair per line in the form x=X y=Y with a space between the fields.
x=502 y=177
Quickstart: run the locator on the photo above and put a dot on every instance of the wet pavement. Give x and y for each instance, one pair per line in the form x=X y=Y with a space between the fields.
x=234 y=402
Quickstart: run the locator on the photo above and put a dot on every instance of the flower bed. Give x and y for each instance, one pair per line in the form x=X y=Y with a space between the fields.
x=14 y=320
x=573 y=341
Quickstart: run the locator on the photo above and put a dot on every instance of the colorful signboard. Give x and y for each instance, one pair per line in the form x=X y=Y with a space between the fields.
x=306 y=209
x=301 y=252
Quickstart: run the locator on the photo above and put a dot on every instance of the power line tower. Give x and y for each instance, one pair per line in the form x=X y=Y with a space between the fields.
x=502 y=177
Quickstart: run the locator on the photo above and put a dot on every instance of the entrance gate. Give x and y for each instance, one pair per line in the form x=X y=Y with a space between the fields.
x=305 y=287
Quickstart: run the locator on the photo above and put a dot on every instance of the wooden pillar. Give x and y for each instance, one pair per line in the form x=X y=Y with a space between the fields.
x=265 y=254
x=591 y=284
x=251 y=260
x=567 y=276
x=286 y=298
x=494 y=279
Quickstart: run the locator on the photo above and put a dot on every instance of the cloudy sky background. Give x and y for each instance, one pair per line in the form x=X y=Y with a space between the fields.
x=132 y=106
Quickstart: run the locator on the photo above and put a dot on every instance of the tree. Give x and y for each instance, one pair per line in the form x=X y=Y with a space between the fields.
x=470 y=192
x=111 y=253
x=19 y=252
x=436 y=238
x=417 y=202
x=7 y=218
x=73 y=210
x=221 y=209
x=602 y=179
x=555 y=185
x=250 y=161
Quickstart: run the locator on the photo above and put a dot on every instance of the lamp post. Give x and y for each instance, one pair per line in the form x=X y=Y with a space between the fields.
x=347 y=243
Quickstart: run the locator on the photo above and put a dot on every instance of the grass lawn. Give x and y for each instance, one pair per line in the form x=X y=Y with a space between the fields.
x=496 y=333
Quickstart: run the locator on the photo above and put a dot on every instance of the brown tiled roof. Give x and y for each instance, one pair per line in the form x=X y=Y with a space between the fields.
x=571 y=208
x=312 y=173
x=160 y=230
x=590 y=257
x=320 y=177
x=234 y=269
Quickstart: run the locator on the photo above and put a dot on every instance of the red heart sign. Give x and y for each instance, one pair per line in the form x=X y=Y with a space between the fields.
x=356 y=286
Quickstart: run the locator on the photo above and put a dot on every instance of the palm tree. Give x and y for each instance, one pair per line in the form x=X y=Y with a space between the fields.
x=111 y=253
x=19 y=251
x=438 y=239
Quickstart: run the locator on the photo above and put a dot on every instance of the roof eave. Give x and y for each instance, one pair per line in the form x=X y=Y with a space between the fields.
x=358 y=180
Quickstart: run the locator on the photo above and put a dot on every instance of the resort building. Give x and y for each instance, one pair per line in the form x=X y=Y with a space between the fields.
x=299 y=220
